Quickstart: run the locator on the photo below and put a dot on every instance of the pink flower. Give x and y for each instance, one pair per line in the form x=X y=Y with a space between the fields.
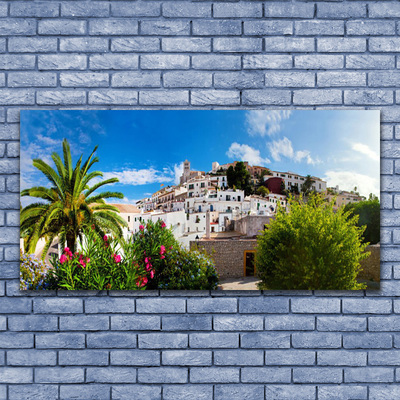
x=148 y=267
x=162 y=249
x=82 y=263
x=170 y=247
x=152 y=274
x=63 y=259
x=117 y=258
x=163 y=224
x=146 y=260
x=162 y=257
x=66 y=250
x=105 y=238
x=141 y=227
x=145 y=280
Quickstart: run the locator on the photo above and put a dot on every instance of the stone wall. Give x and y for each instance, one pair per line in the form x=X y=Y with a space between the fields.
x=371 y=265
x=251 y=225
x=228 y=255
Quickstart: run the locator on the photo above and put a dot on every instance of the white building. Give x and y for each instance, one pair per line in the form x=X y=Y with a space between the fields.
x=292 y=179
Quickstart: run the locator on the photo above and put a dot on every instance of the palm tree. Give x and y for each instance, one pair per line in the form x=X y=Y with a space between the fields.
x=307 y=184
x=70 y=204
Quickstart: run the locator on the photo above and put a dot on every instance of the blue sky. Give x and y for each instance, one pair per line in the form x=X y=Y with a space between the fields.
x=145 y=149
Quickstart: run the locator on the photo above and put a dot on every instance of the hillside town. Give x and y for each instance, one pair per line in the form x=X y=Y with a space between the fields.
x=203 y=206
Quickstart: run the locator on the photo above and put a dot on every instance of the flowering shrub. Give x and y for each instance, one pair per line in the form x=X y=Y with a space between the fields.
x=98 y=266
x=168 y=265
x=32 y=273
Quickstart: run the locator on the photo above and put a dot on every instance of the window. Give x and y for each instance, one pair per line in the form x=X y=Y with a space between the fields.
x=202 y=185
x=320 y=186
x=188 y=204
x=129 y=218
x=191 y=186
x=228 y=197
x=190 y=194
x=238 y=198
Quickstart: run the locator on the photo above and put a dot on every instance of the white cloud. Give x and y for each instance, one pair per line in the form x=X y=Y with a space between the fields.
x=284 y=147
x=243 y=152
x=348 y=180
x=139 y=176
x=178 y=171
x=264 y=122
x=364 y=149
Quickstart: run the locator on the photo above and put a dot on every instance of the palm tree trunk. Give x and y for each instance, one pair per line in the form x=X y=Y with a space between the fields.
x=71 y=242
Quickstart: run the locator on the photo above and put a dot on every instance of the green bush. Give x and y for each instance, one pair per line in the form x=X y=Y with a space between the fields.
x=174 y=267
x=310 y=247
x=369 y=215
x=32 y=273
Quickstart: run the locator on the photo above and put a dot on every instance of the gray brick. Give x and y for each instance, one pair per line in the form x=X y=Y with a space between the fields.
x=386 y=201
x=346 y=392
x=317 y=96
x=288 y=44
x=179 y=392
x=238 y=10
x=237 y=45
x=61 y=61
x=290 y=392
x=265 y=340
x=342 y=358
x=269 y=27
x=111 y=340
x=124 y=97
x=316 y=27
x=17 y=26
x=187 y=323
x=18 y=306
x=320 y=340
x=85 y=9
x=112 y=26
x=3 y=9
x=16 y=375
x=14 y=61
x=110 y=375
x=8 y=201
x=367 y=341
x=367 y=306
x=341 y=11
x=177 y=97
x=384 y=357
x=186 y=79
x=384 y=44
x=83 y=79
x=194 y=45
x=320 y=61
x=84 y=322
x=83 y=357
x=317 y=375
x=263 y=305
x=135 y=322
x=89 y=45
x=238 y=357
x=384 y=78
x=261 y=375
x=214 y=375
x=8 y=235
x=32 y=79
x=384 y=10
x=216 y=27
x=212 y=305
x=288 y=10
x=365 y=27
x=65 y=97
x=109 y=305
x=164 y=61
x=382 y=392
x=242 y=323
x=59 y=375
x=186 y=357
x=32 y=323
x=315 y=305
x=138 y=44
x=342 y=78
x=98 y=392
x=135 y=357
x=368 y=374
x=32 y=45
x=113 y=61
x=216 y=62
x=162 y=375
x=182 y=9
x=289 y=79
x=341 y=45
x=163 y=340
x=214 y=340
x=370 y=61
x=2 y=84
x=16 y=340
x=290 y=357
x=36 y=9
x=262 y=96
x=140 y=9
x=61 y=27
x=386 y=323
x=31 y=357
x=289 y=323
x=11 y=254
x=136 y=392
x=215 y=97
x=368 y=97
x=164 y=28
x=37 y=392
x=386 y=237
x=235 y=392
x=341 y=323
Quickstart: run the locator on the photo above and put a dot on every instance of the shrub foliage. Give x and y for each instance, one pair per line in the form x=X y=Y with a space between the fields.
x=311 y=247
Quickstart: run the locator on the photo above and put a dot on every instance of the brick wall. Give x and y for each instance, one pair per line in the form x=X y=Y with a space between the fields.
x=195 y=345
